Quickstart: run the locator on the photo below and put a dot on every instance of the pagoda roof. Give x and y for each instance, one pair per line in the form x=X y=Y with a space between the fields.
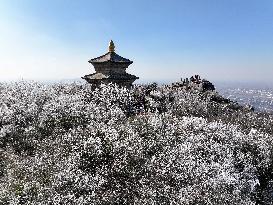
x=114 y=76
x=110 y=57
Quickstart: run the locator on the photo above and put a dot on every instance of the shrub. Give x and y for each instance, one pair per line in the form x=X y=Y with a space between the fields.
x=69 y=144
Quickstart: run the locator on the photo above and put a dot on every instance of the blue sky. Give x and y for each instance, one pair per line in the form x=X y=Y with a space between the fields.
x=166 y=39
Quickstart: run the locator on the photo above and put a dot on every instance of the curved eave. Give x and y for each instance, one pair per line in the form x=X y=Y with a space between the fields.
x=110 y=76
x=110 y=57
x=110 y=61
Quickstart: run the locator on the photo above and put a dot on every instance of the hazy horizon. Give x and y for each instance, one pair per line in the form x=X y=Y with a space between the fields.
x=218 y=83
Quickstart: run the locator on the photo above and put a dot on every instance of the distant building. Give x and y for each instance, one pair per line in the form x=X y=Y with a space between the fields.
x=110 y=68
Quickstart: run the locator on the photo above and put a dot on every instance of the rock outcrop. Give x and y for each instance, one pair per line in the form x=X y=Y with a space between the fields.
x=195 y=83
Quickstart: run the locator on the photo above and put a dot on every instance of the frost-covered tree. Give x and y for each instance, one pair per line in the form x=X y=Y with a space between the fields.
x=70 y=144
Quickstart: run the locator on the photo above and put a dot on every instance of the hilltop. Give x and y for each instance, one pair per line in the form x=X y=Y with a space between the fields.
x=73 y=144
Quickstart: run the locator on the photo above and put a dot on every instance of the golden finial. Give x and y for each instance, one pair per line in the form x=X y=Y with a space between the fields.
x=111 y=46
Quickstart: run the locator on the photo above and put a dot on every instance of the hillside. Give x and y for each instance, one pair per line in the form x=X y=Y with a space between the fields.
x=69 y=144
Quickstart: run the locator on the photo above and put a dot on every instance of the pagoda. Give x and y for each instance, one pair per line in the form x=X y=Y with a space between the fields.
x=110 y=68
